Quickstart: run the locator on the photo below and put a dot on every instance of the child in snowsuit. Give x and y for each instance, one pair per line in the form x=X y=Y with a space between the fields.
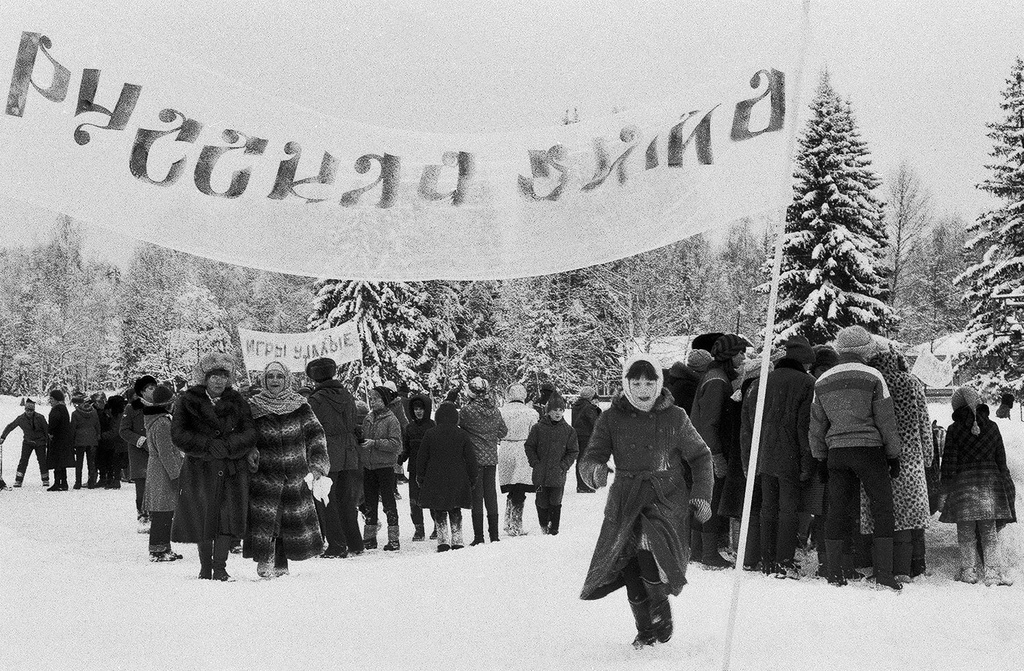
x=551 y=448
x=978 y=493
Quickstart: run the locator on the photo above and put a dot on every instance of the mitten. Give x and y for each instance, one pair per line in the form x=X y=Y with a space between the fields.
x=594 y=475
x=894 y=467
x=322 y=489
x=253 y=459
x=720 y=465
x=701 y=509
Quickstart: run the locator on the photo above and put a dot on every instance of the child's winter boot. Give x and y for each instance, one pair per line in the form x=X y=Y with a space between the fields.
x=419 y=533
x=370 y=537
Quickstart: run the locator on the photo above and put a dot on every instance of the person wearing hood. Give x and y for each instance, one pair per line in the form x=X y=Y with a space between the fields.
x=784 y=460
x=133 y=432
x=292 y=463
x=584 y=415
x=382 y=442
x=162 y=473
x=910 y=490
x=515 y=477
x=335 y=409
x=715 y=416
x=551 y=447
x=445 y=471
x=978 y=493
x=853 y=435
x=419 y=424
x=642 y=545
x=60 y=452
x=34 y=436
x=486 y=427
x=85 y=425
x=213 y=427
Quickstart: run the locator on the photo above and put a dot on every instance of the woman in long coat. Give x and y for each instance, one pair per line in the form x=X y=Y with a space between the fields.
x=515 y=477
x=643 y=541
x=213 y=427
x=910 y=489
x=446 y=469
x=291 y=442
x=163 y=469
x=60 y=453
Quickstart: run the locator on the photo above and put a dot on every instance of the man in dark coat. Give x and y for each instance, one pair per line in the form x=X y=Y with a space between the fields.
x=334 y=406
x=213 y=427
x=34 y=437
x=584 y=415
x=60 y=454
x=784 y=460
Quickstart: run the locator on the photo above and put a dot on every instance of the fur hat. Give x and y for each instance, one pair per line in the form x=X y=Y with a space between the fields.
x=212 y=361
x=517 y=392
x=385 y=394
x=966 y=396
x=705 y=341
x=142 y=383
x=857 y=341
x=57 y=395
x=321 y=370
x=587 y=393
x=799 y=349
x=478 y=386
x=555 y=402
x=728 y=346
x=825 y=356
x=162 y=395
x=698 y=360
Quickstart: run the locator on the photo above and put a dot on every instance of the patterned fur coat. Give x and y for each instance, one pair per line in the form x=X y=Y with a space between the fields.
x=280 y=503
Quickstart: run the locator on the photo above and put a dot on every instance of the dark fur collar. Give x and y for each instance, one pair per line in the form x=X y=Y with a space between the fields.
x=792 y=364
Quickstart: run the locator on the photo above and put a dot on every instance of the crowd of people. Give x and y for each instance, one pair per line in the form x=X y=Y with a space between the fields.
x=848 y=462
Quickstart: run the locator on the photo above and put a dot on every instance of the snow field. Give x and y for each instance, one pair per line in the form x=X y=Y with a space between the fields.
x=79 y=592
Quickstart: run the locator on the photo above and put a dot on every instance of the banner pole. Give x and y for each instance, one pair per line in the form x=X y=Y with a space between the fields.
x=769 y=336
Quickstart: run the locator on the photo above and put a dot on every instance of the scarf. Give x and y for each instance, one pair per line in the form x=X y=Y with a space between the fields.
x=643 y=407
x=286 y=401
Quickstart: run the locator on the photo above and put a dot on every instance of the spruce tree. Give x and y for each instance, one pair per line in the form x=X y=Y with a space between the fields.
x=994 y=333
x=835 y=236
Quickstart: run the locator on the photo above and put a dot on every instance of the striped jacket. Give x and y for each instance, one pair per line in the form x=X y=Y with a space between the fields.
x=852 y=408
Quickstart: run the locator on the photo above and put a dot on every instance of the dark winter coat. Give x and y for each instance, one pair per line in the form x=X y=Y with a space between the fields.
x=735 y=484
x=109 y=430
x=133 y=427
x=785 y=450
x=649 y=497
x=974 y=473
x=164 y=469
x=711 y=414
x=682 y=381
x=446 y=463
x=85 y=424
x=485 y=426
x=335 y=408
x=60 y=453
x=584 y=416
x=415 y=430
x=382 y=436
x=33 y=429
x=214 y=484
x=280 y=503
x=551 y=448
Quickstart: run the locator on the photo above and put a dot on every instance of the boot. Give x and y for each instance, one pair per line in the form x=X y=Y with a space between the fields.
x=544 y=518
x=644 y=629
x=834 y=563
x=517 y=519
x=19 y=477
x=661 y=618
x=433 y=534
x=443 y=538
x=492 y=528
x=221 y=549
x=205 y=560
x=370 y=537
x=280 y=559
x=881 y=552
x=903 y=550
x=393 y=544
x=710 y=557
x=46 y=479
x=419 y=534
x=265 y=569
x=510 y=513
x=457 y=534
x=556 y=517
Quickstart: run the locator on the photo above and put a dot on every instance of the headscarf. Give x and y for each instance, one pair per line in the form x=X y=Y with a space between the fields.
x=966 y=396
x=268 y=403
x=659 y=382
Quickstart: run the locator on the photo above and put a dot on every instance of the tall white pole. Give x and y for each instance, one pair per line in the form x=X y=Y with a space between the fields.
x=785 y=194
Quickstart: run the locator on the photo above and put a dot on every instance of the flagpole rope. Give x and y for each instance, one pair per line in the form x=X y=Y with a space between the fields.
x=785 y=187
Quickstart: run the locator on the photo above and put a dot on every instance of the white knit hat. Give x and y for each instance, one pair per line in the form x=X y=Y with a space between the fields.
x=857 y=341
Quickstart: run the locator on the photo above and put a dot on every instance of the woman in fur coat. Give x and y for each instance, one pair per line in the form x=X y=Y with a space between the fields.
x=643 y=541
x=213 y=427
x=292 y=445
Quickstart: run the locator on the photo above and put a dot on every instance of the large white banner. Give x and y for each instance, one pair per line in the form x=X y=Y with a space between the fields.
x=295 y=350
x=103 y=127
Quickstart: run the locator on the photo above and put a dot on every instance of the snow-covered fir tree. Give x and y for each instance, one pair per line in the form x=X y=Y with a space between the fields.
x=835 y=237
x=995 y=336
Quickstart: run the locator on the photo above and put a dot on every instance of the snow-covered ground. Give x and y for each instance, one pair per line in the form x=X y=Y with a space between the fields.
x=77 y=591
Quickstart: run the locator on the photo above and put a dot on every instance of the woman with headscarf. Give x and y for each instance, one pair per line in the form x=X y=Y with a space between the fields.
x=910 y=489
x=212 y=425
x=292 y=446
x=717 y=419
x=643 y=541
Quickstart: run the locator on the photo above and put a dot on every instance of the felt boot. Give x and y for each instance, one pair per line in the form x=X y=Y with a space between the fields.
x=370 y=536
x=443 y=539
x=881 y=552
x=419 y=533
x=645 y=635
x=509 y=518
x=457 y=534
x=544 y=517
x=393 y=543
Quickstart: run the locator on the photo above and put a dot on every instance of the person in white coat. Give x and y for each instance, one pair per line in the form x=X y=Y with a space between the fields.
x=515 y=477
